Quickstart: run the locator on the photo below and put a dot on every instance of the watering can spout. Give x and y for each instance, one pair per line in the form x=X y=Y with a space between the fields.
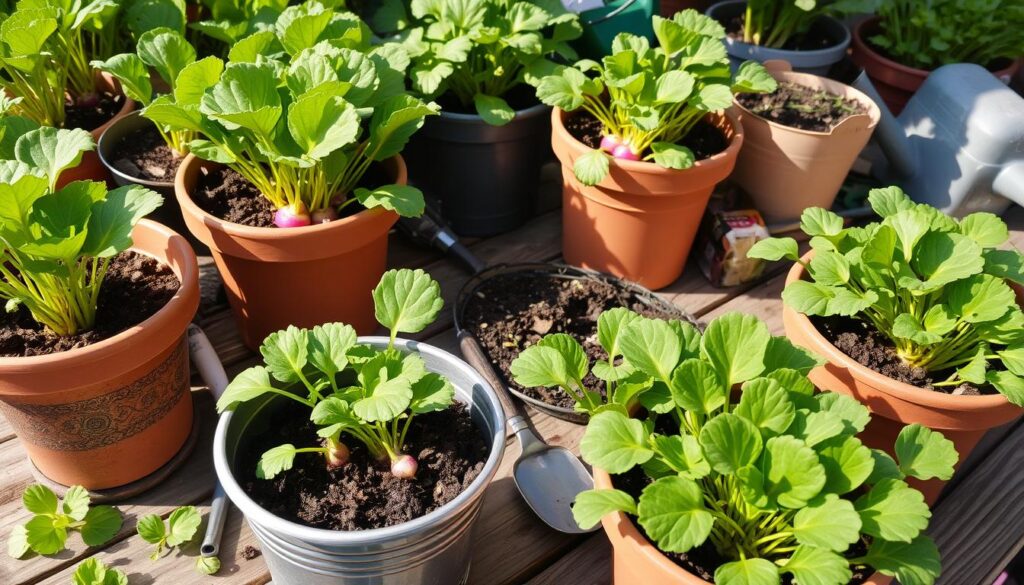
x=1009 y=183
x=900 y=158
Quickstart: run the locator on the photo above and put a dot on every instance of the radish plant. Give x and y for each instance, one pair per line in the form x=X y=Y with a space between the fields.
x=774 y=23
x=937 y=287
x=648 y=99
x=180 y=528
x=478 y=52
x=92 y=571
x=777 y=481
x=57 y=244
x=354 y=391
x=47 y=532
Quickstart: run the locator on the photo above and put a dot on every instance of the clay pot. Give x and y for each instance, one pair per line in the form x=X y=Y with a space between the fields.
x=786 y=170
x=91 y=168
x=113 y=412
x=640 y=222
x=304 y=276
x=962 y=419
x=897 y=83
x=635 y=560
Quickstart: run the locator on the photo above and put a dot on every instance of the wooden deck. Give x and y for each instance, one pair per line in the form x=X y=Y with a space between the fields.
x=979 y=524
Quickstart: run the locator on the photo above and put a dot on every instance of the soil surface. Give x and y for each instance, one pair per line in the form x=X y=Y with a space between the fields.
x=363 y=494
x=144 y=154
x=136 y=287
x=798 y=106
x=814 y=39
x=227 y=195
x=91 y=118
x=874 y=350
x=511 y=312
x=704 y=140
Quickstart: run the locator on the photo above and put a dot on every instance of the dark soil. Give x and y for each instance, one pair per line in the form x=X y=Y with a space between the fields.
x=227 y=195
x=520 y=97
x=705 y=140
x=874 y=350
x=511 y=312
x=798 y=106
x=363 y=494
x=136 y=287
x=144 y=154
x=91 y=118
x=250 y=552
x=814 y=39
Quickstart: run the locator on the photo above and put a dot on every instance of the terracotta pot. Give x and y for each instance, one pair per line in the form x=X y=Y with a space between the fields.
x=962 y=419
x=639 y=223
x=897 y=83
x=113 y=412
x=298 y=276
x=786 y=170
x=91 y=168
x=635 y=560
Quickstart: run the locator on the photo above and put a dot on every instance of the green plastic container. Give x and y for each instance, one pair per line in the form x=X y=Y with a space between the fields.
x=601 y=25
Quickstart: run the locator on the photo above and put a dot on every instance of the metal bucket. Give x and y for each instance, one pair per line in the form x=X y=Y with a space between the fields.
x=433 y=549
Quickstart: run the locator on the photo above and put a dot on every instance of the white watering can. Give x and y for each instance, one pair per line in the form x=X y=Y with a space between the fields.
x=959 y=143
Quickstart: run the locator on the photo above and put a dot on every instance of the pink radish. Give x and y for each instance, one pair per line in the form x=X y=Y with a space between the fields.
x=291 y=216
x=609 y=143
x=337 y=454
x=404 y=467
x=625 y=152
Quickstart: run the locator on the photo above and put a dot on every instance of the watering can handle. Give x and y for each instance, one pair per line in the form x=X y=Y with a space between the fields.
x=625 y=6
x=1010 y=182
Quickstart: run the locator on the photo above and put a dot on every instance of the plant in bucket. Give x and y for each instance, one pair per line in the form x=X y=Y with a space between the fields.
x=298 y=176
x=361 y=458
x=643 y=138
x=482 y=157
x=915 y=314
x=94 y=362
x=739 y=473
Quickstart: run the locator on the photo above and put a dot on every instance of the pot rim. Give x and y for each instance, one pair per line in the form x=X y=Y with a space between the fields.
x=254 y=512
x=104 y=141
x=187 y=294
x=843 y=42
x=527 y=113
x=126 y=108
x=270 y=234
x=874 y=112
x=715 y=161
x=901 y=390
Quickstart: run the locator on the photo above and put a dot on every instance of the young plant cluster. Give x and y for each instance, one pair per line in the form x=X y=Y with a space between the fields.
x=741 y=455
x=477 y=52
x=648 y=99
x=937 y=287
x=366 y=394
x=92 y=571
x=302 y=111
x=57 y=244
x=47 y=532
x=229 y=21
x=177 y=532
x=774 y=23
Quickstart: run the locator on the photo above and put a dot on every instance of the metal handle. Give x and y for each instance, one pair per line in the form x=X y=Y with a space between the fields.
x=474 y=354
x=215 y=522
x=625 y=6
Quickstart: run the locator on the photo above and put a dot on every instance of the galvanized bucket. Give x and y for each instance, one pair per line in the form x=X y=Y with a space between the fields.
x=431 y=550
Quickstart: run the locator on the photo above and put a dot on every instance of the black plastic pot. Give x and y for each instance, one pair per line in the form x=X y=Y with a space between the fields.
x=485 y=177
x=561 y=272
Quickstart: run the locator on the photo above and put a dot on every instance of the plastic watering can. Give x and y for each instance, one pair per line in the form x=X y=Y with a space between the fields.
x=603 y=19
x=958 y=145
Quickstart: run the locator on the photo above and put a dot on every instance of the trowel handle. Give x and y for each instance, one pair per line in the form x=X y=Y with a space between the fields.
x=206 y=361
x=474 y=354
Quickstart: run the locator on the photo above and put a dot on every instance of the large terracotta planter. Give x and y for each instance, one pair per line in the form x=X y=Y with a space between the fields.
x=297 y=276
x=962 y=419
x=639 y=223
x=113 y=412
x=635 y=560
x=786 y=170
x=91 y=168
x=897 y=83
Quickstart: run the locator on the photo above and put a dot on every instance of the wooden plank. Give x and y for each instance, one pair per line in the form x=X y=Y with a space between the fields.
x=587 y=564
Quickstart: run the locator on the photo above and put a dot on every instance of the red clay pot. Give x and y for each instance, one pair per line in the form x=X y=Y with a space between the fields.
x=298 y=276
x=640 y=222
x=962 y=419
x=113 y=412
x=636 y=561
x=897 y=83
x=91 y=168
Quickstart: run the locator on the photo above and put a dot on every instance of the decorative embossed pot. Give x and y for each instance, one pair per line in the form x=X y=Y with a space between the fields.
x=113 y=412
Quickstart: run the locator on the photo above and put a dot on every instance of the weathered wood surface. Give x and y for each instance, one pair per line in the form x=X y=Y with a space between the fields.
x=979 y=525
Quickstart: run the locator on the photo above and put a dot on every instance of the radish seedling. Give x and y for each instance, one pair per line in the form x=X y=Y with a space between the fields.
x=364 y=394
x=92 y=571
x=774 y=23
x=648 y=99
x=47 y=532
x=180 y=528
x=937 y=287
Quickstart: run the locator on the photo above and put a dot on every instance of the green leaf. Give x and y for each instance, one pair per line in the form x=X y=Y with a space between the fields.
x=275 y=460
x=334 y=415
x=167 y=51
x=830 y=269
x=682 y=454
x=245 y=97
x=1013 y=358
x=406 y=301
x=674 y=87
x=987 y=229
x=251 y=383
x=730 y=442
x=815 y=221
x=748 y=572
x=405 y=200
x=942 y=258
x=92 y=571
x=182 y=525
x=816 y=427
x=39 y=499
x=321 y=123
x=766 y=403
x=328 y=347
x=651 y=346
x=540 y=366
x=783 y=355
x=76 y=502
x=207 y=565
x=17 y=542
x=112 y=220
x=814 y=566
x=885 y=468
x=52 y=151
x=831 y=524
x=1008 y=264
x=735 y=344
x=592 y=505
x=394 y=122
x=672 y=156
x=610 y=326
x=285 y=353
x=1009 y=385
x=916 y=563
x=695 y=387
x=792 y=473
x=44 y=537
x=102 y=523
x=431 y=393
x=592 y=167
x=774 y=249
x=980 y=298
x=855 y=415
x=671 y=511
x=847 y=462
x=893 y=511
x=572 y=352
x=386 y=397
x=889 y=201
x=752 y=77
x=151 y=528
x=132 y=73
x=906 y=326
x=713 y=97
x=615 y=443
x=925 y=454
x=494 y=110
x=791 y=380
